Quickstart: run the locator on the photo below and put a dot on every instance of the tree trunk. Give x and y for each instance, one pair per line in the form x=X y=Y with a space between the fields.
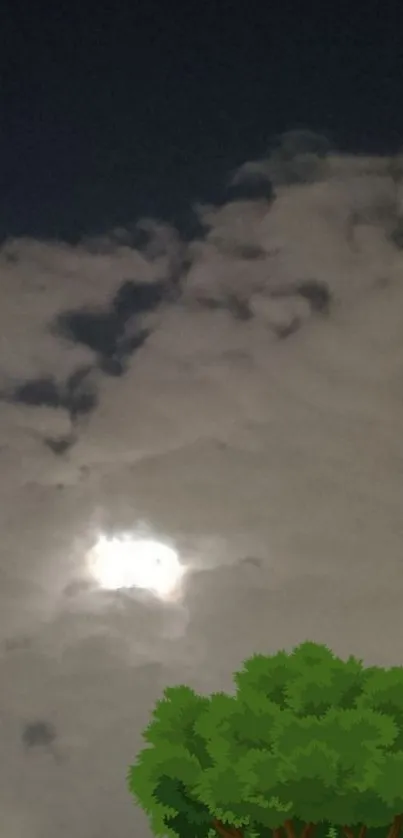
x=348 y=831
x=289 y=829
x=226 y=831
x=395 y=827
x=307 y=831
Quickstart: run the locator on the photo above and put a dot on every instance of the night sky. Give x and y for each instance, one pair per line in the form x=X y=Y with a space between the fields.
x=231 y=392
x=111 y=115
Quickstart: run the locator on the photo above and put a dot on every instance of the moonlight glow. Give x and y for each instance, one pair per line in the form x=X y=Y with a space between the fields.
x=129 y=562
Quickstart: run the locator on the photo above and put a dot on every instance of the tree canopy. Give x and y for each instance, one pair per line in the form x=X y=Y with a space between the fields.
x=307 y=745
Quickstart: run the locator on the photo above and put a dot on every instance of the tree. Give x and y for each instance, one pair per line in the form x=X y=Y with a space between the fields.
x=308 y=745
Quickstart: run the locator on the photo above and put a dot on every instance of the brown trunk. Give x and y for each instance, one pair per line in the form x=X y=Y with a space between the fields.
x=395 y=827
x=276 y=833
x=226 y=831
x=308 y=830
x=349 y=832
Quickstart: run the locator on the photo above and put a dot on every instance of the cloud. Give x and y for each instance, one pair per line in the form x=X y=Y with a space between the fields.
x=238 y=393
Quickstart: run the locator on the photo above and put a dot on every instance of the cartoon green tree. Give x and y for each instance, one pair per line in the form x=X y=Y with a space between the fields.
x=307 y=746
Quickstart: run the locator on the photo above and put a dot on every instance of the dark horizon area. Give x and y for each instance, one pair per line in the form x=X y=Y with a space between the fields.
x=111 y=116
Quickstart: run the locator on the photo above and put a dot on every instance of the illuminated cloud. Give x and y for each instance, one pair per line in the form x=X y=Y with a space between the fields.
x=252 y=408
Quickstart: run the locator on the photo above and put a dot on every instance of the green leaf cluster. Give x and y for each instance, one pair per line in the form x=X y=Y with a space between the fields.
x=307 y=742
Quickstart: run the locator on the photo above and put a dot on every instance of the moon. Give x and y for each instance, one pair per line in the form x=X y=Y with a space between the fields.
x=127 y=561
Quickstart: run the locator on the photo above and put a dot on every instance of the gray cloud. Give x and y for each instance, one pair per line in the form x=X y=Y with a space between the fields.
x=239 y=393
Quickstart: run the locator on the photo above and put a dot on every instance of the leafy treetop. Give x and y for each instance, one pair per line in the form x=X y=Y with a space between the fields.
x=307 y=742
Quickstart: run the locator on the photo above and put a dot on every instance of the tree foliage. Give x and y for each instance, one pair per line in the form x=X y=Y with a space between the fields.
x=307 y=743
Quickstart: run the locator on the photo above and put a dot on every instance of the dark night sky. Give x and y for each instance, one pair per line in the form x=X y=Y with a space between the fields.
x=107 y=115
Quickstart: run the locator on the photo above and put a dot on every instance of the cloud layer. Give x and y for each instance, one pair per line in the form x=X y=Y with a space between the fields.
x=239 y=393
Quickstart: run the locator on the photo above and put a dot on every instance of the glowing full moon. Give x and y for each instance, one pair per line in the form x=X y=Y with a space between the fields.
x=126 y=561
